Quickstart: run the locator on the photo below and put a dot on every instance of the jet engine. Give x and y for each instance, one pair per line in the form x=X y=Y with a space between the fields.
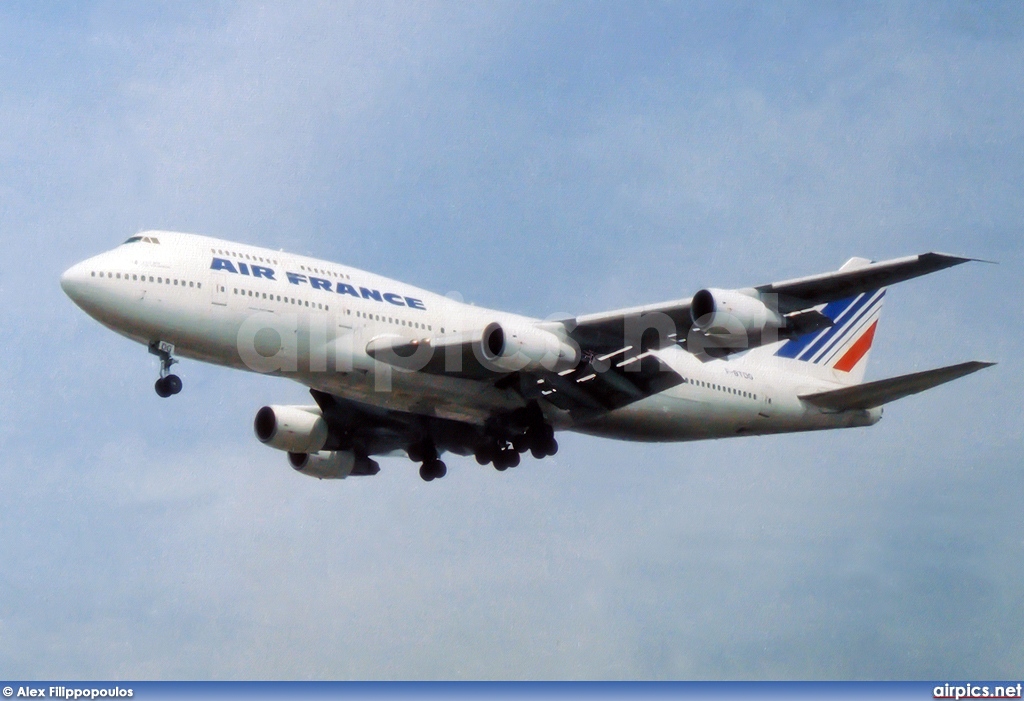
x=525 y=347
x=332 y=464
x=296 y=429
x=731 y=313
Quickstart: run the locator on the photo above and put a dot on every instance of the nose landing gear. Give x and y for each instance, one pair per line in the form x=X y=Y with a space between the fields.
x=168 y=384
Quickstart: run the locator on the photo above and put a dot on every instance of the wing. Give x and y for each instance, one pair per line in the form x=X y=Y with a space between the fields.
x=370 y=430
x=671 y=321
x=806 y=292
x=615 y=365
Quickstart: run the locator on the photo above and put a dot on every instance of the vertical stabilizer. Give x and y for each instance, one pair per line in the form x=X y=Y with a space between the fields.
x=845 y=346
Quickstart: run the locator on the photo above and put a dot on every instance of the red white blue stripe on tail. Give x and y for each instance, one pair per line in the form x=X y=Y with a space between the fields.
x=847 y=342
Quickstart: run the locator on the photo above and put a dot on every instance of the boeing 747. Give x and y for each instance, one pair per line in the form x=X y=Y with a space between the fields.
x=396 y=370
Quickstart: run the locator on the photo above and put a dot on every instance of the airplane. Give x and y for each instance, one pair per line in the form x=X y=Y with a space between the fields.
x=395 y=370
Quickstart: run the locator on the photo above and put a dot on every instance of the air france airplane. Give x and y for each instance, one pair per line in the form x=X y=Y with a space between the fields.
x=396 y=370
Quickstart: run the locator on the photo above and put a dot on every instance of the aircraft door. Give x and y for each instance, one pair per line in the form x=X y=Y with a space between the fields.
x=765 y=410
x=219 y=289
x=344 y=342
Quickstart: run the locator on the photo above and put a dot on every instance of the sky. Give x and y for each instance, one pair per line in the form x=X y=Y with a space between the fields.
x=540 y=158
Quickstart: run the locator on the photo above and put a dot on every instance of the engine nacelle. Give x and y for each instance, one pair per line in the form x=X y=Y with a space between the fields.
x=332 y=464
x=296 y=429
x=525 y=347
x=730 y=313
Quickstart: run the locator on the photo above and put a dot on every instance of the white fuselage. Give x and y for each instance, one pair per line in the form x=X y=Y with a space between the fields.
x=310 y=320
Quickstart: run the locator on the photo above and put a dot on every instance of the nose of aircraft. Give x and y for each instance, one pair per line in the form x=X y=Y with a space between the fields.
x=74 y=281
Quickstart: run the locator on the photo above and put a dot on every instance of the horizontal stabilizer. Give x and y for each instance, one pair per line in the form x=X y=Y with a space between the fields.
x=872 y=394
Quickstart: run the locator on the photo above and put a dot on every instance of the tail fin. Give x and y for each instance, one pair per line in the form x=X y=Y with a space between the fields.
x=844 y=347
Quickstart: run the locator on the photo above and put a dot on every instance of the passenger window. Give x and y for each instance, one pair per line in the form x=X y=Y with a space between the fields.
x=199 y=285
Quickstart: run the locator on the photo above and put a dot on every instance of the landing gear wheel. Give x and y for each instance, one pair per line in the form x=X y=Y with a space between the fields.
x=433 y=470
x=173 y=383
x=505 y=459
x=542 y=442
x=521 y=443
x=440 y=469
x=162 y=389
x=552 y=447
x=168 y=384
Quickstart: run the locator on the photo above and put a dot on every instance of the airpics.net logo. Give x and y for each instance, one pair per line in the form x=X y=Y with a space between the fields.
x=977 y=691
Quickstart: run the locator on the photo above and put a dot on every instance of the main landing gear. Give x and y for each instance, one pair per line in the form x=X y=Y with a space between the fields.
x=539 y=439
x=432 y=468
x=168 y=384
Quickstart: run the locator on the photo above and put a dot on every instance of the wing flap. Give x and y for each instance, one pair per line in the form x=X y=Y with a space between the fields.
x=874 y=394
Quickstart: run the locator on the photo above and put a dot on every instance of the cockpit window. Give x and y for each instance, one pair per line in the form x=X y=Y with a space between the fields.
x=144 y=239
x=133 y=239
